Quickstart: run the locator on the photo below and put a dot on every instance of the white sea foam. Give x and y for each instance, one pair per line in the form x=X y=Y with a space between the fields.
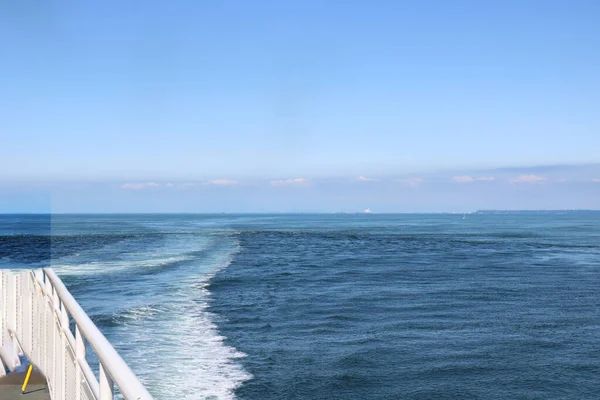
x=106 y=267
x=179 y=352
x=164 y=329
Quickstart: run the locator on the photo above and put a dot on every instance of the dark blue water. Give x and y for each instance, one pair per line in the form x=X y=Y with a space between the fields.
x=335 y=306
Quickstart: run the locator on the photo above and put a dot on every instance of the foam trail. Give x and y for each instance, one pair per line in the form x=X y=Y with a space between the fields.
x=188 y=358
x=159 y=322
x=106 y=267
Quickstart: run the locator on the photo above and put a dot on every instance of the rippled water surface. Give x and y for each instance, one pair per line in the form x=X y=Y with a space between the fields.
x=335 y=306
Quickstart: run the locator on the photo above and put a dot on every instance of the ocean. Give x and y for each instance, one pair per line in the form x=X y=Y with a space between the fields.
x=315 y=306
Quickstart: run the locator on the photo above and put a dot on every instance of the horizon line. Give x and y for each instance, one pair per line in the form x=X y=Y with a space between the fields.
x=306 y=212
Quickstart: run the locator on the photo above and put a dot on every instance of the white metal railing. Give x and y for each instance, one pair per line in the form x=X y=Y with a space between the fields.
x=35 y=313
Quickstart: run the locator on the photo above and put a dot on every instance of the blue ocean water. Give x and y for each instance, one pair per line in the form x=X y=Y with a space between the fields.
x=335 y=306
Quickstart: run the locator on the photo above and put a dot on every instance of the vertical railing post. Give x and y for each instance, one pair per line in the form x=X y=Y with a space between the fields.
x=48 y=347
x=79 y=355
x=106 y=385
x=32 y=314
x=38 y=319
x=64 y=322
x=2 y=302
x=56 y=338
x=13 y=325
x=26 y=310
x=49 y=339
x=12 y=320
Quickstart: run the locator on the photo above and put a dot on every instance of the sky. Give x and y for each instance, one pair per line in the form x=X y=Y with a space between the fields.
x=271 y=106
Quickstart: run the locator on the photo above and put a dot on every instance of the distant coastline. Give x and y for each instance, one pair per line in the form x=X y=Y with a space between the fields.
x=535 y=211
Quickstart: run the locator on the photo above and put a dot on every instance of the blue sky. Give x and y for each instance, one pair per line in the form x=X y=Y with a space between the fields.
x=206 y=106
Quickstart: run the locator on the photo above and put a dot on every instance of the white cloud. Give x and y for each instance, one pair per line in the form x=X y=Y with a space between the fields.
x=527 y=179
x=597 y=180
x=365 y=179
x=412 y=182
x=223 y=182
x=293 y=181
x=469 y=179
x=169 y=184
x=139 y=186
x=463 y=179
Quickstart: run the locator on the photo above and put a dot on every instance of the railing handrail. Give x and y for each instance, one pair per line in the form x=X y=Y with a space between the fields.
x=112 y=363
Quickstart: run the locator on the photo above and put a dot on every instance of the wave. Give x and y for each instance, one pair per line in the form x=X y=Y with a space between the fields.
x=385 y=237
x=107 y=267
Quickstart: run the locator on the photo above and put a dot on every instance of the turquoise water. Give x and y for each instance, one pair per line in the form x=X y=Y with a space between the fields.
x=335 y=306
